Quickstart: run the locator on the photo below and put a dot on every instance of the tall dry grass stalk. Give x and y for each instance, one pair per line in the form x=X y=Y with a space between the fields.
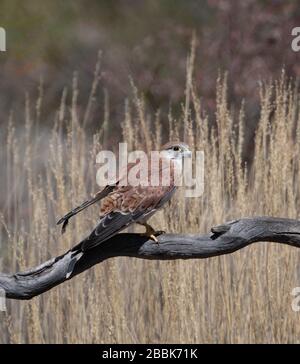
x=243 y=297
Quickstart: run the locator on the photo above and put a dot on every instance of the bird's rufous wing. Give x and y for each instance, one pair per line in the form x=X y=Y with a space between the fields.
x=124 y=206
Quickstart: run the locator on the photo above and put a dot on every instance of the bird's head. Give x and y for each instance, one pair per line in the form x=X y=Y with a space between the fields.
x=176 y=150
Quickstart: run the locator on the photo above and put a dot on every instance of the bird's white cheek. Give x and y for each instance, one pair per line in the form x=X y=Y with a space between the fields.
x=177 y=163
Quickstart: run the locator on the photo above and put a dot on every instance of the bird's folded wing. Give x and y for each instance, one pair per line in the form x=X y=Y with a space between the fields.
x=132 y=208
x=109 y=226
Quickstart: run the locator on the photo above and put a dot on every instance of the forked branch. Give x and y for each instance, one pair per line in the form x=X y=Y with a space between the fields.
x=223 y=239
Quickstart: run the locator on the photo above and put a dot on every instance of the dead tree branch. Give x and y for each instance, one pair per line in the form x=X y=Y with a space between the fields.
x=223 y=239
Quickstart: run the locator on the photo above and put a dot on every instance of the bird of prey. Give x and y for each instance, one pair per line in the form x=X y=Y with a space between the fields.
x=122 y=205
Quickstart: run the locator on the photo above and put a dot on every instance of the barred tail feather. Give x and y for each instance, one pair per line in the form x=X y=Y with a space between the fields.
x=65 y=219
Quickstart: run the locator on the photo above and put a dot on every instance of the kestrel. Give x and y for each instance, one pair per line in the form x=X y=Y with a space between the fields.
x=123 y=205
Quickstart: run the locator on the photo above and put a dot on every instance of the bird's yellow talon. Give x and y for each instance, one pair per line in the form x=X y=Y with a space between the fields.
x=153 y=237
x=150 y=232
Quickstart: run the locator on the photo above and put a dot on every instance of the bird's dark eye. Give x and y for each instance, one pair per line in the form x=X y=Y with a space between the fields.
x=176 y=148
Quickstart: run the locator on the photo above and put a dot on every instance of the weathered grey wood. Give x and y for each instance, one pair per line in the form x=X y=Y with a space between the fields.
x=223 y=239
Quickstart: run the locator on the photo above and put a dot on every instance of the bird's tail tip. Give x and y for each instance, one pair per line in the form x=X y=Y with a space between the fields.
x=63 y=221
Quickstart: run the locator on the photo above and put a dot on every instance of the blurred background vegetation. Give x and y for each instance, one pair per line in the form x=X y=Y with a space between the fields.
x=149 y=41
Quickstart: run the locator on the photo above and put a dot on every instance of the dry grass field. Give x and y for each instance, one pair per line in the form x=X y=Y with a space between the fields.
x=240 y=298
